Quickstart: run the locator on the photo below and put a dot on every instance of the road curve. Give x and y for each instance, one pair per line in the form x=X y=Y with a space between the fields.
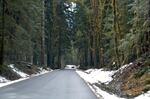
x=61 y=84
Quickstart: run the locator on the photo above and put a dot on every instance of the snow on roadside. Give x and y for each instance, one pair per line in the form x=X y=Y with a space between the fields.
x=42 y=71
x=85 y=76
x=24 y=76
x=21 y=79
x=123 y=67
x=3 y=80
x=97 y=75
x=144 y=96
x=90 y=79
x=16 y=70
x=92 y=76
x=105 y=94
x=11 y=82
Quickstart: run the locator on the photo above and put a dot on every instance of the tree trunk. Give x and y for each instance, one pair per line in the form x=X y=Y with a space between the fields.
x=35 y=56
x=101 y=57
x=59 y=51
x=2 y=33
x=42 y=58
x=115 y=32
x=49 y=50
x=148 y=42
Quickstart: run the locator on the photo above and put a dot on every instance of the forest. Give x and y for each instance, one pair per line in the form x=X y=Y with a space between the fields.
x=90 y=33
x=107 y=40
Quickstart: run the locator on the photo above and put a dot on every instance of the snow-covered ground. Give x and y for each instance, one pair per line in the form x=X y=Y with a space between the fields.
x=92 y=76
x=24 y=76
x=3 y=80
x=2 y=84
x=16 y=70
x=98 y=75
x=144 y=96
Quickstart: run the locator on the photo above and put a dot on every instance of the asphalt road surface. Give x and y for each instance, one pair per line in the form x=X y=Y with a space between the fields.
x=61 y=84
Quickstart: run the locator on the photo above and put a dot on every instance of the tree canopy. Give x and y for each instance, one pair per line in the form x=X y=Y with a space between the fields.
x=92 y=33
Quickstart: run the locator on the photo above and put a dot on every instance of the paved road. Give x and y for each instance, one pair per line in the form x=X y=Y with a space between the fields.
x=63 y=84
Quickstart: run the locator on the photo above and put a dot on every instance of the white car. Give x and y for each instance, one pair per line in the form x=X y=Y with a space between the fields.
x=71 y=67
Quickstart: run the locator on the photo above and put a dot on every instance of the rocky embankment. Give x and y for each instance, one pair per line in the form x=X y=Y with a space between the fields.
x=129 y=81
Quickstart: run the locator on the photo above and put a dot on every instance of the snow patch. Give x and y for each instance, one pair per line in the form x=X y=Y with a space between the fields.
x=97 y=75
x=16 y=70
x=21 y=79
x=106 y=95
x=11 y=82
x=92 y=76
x=42 y=71
x=144 y=96
x=85 y=76
x=24 y=76
x=3 y=80
x=124 y=67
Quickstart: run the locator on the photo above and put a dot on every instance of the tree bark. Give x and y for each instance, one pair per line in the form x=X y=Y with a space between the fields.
x=42 y=58
x=115 y=32
x=2 y=34
x=59 y=51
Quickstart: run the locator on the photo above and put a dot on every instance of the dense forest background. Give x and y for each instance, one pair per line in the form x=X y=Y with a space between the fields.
x=92 y=33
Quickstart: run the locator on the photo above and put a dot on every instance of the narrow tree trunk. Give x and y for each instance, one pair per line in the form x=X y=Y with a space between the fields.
x=91 y=45
x=2 y=33
x=49 y=50
x=59 y=51
x=42 y=58
x=49 y=58
x=101 y=57
x=86 y=56
x=94 y=51
x=115 y=32
x=35 y=56
x=149 y=27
